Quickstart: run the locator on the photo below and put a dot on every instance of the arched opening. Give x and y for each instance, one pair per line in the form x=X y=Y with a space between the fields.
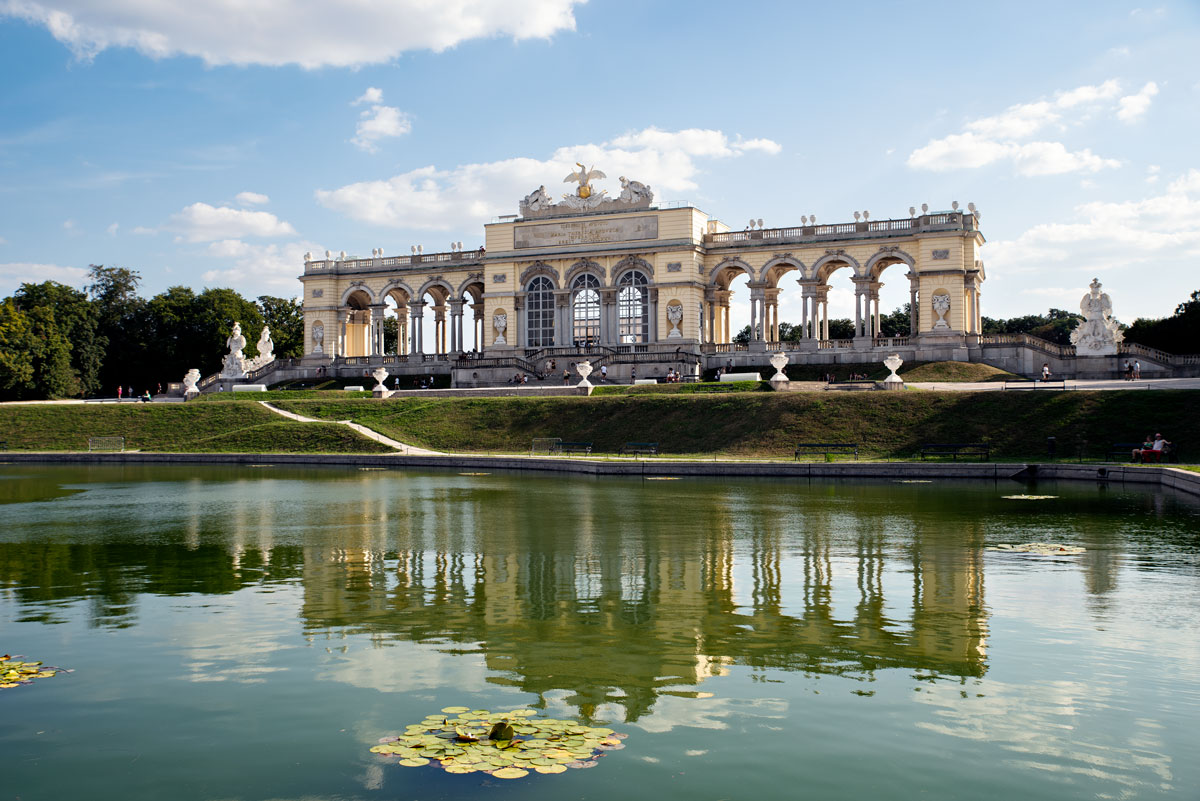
x=356 y=336
x=430 y=334
x=726 y=321
x=633 y=308
x=782 y=309
x=585 y=310
x=395 y=322
x=539 y=313
x=471 y=307
x=892 y=301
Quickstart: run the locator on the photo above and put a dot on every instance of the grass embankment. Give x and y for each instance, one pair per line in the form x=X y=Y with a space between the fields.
x=886 y=425
x=181 y=428
x=909 y=371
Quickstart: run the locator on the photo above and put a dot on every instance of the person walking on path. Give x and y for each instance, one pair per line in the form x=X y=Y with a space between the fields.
x=1137 y=370
x=1046 y=371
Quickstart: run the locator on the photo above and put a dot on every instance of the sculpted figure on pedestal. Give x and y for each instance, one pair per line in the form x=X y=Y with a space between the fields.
x=1098 y=334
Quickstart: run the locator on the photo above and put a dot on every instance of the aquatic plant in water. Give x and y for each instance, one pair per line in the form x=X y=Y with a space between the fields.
x=507 y=745
x=14 y=673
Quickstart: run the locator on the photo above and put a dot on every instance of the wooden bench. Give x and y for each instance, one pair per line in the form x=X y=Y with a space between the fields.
x=646 y=448
x=574 y=447
x=1168 y=454
x=1037 y=383
x=1122 y=451
x=828 y=449
x=957 y=449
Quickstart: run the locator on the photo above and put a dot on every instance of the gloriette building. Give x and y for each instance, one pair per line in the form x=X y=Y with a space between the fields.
x=638 y=286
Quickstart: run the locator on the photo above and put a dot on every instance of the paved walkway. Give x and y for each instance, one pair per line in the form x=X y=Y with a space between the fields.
x=408 y=450
x=1083 y=384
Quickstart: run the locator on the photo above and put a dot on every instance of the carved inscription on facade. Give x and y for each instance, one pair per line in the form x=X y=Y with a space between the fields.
x=941 y=254
x=675 y=267
x=587 y=232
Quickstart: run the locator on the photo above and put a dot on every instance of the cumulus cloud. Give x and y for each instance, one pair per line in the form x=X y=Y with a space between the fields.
x=997 y=138
x=252 y=199
x=378 y=122
x=13 y=274
x=112 y=229
x=1163 y=230
x=257 y=269
x=289 y=31
x=470 y=194
x=1132 y=107
x=201 y=222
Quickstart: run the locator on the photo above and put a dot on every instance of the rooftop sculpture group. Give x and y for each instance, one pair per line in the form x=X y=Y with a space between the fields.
x=634 y=195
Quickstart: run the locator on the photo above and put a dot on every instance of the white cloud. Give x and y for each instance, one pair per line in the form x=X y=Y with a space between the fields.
x=1152 y=173
x=3 y=241
x=373 y=96
x=252 y=199
x=112 y=229
x=71 y=228
x=993 y=139
x=142 y=230
x=1110 y=236
x=469 y=194
x=257 y=269
x=201 y=222
x=768 y=146
x=289 y=31
x=380 y=122
x=13 y=274
x=1133 y=107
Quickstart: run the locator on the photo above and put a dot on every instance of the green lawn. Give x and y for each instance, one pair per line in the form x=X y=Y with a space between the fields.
x=767 y=424
x=184 y=427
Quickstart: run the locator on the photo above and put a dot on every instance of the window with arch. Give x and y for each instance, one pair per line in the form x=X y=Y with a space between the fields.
x=585 y=309
x=633 y=308
x=539 y=313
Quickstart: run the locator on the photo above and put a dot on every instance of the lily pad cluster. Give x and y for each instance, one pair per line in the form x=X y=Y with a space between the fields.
x=1029 y=497
x=14 y=673
x=1041 y=548
x=507 y=745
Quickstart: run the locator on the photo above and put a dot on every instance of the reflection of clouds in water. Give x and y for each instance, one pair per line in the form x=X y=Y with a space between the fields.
x=210 y=653
x=1044 y=725
x=405 y=668
x=707 y=713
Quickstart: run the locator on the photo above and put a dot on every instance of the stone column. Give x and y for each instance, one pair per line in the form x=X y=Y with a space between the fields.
x=652 y=334
x=417 y=308
x=456 y=310
x=874 y=299
x=912 y=304
x=477 y=309
x=563 y=330
x=771 y=332
x=377 y=311
x=608 y=302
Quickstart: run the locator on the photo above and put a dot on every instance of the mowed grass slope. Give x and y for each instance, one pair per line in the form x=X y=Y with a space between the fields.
x=885 y=424
x=184 y=428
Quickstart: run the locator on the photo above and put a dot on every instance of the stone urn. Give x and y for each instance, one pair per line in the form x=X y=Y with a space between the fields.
x=780 y=379
x=893 y=381
x=189 y=383
x=584 y=369
x=380 y=375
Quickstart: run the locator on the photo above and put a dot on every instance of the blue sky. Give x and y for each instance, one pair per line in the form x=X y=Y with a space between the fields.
x=212 y=144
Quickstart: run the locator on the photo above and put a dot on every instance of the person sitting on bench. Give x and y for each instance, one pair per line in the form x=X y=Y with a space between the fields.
x=1156 y=449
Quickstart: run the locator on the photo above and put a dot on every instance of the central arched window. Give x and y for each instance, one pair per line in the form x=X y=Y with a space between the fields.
x=585 y=305
x=539 y=313
x=633 y=308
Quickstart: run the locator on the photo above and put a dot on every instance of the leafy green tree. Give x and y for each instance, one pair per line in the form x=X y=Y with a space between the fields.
x=1054 y=326
x=77 y=319
x=895 y=324
x=285 y=317
x=1179 y=333
x=124 y=325
x=391 y=335
x=16 y=351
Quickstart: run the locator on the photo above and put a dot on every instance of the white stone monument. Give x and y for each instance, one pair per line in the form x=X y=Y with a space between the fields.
x=584 y=369
x=941 y=307
x=779 y=380
x=380 y=375
x=1098 y=334
x=893 y=381
x=675 y=318
x=189 y=384
x=235 y=360
x=500 y=322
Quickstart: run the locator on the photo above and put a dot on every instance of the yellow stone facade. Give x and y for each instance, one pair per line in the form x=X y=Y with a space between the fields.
x=530 y=287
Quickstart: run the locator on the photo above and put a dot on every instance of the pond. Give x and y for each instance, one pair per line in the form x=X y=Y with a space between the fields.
x=252 y=632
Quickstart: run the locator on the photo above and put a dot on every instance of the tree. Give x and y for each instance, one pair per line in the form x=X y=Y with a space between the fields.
x=122 y=322
x=1055 y=326
x=16 y=351
x=285 y=317
x=1179 y=333
x=895 y=324
x=77 y=320
x=391 y=335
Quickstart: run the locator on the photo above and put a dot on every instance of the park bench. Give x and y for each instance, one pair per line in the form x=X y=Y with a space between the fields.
x=828 y=449
x=957 y=449
x=646 y=448
x=1036 y=383
x=575 y=447
x=1169 y=454
x=1122 y=451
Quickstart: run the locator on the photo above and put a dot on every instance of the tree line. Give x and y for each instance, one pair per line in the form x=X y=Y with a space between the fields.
x=1179 y=333
x=57 y=341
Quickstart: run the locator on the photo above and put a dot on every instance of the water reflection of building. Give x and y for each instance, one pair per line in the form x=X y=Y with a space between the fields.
x=618 y=617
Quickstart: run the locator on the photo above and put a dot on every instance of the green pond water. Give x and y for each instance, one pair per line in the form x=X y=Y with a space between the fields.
x=250 y=633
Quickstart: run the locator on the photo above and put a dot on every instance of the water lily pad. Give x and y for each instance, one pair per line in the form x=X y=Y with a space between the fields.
x=510 y=773
x=454 y=710
x=414 y=762
x=551 y=768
